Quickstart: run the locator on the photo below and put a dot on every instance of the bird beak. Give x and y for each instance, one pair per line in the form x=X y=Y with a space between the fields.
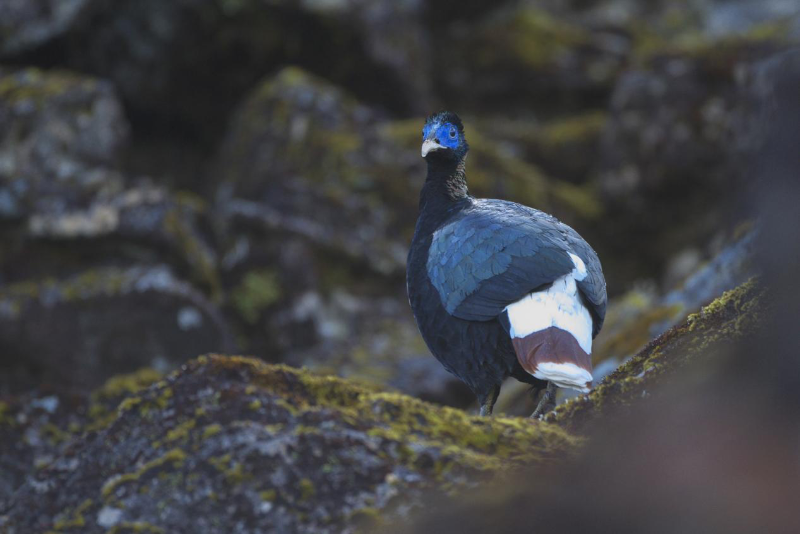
x=429 y=145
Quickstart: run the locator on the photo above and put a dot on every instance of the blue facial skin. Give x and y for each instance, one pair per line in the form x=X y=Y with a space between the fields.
x=447 y=135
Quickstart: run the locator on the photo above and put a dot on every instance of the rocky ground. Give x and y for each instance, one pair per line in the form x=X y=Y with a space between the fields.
x=201 y=177
x=261 y=447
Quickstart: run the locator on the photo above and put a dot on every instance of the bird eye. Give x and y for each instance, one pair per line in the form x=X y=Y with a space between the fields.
x=452 y=133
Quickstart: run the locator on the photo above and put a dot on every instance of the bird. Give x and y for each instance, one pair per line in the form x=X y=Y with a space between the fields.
x=499 y=289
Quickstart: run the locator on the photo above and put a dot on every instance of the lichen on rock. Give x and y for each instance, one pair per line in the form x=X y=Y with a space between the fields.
x=279 y=447
x=62 y=136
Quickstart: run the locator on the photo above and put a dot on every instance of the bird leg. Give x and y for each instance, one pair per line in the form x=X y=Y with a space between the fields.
x=488 y=403
x=547 y=403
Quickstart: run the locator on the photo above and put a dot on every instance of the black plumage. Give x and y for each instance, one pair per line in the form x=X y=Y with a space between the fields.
x=470 y=258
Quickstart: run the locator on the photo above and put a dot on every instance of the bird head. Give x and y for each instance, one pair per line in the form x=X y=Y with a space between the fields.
x=443 y=137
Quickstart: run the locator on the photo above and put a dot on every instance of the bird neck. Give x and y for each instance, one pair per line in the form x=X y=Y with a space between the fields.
x=446 y=184
x=444 y=194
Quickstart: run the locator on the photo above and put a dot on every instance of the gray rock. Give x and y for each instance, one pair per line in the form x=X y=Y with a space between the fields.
x=26 y=24
x=670 y=165
x=79 y=330
x=61 y=138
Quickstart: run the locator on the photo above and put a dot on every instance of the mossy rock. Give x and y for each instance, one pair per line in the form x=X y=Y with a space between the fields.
x=79 y=330
x=283 y=448
x=703 y=335
x=673 y=151
x=63 y=142
x=525 y=58
x=63 y=134
x=303 y=157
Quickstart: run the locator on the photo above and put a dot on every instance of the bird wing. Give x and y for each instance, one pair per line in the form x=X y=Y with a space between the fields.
x=495 y=252
x=593 y=287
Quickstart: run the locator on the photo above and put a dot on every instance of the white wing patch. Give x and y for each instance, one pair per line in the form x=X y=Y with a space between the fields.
x=559 y=305
x=579 y=273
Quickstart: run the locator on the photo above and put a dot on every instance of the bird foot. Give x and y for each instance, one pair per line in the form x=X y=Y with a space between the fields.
x=547 y=403
x=488 y=404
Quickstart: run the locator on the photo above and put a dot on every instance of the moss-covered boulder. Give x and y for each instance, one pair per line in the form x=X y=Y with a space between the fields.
x=268 y=448
x=65 y=203
x=669 y=150
x=527 y=58
x=61 y=136
x=141 y=223
x=682 y=351
x=307 y=151
x=79 y=330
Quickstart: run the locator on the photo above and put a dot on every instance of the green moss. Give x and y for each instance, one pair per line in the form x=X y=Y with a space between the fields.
x=74 y=519
x=146 y=406
x=268 y=495
x=529 y=36
x=324 y=154
x=573 y=129
x=88 y=284
x=180 y=432
x=233 y=472
x=105 y=400
x=105 y=282
x=121 y=385
x=687 y=38
x=54 y=434
x=191 y=201
x=257 y=291
x=307 y=490
x=473 y=442
x=129 y=404
x=636 y=334
x=582 y=200
x=6 y=417
x=194 y=251
x=211 y=430
x=367 y=519
x=173 y=456
x=40 y=87
x=135 y=527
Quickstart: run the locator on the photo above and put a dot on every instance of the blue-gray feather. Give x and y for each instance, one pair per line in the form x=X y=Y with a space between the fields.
x=495 y=252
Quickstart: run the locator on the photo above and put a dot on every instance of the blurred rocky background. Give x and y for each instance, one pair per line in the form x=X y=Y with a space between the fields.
x=241 y=176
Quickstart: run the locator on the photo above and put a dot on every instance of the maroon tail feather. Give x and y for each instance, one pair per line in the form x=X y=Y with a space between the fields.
x=552 y=345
